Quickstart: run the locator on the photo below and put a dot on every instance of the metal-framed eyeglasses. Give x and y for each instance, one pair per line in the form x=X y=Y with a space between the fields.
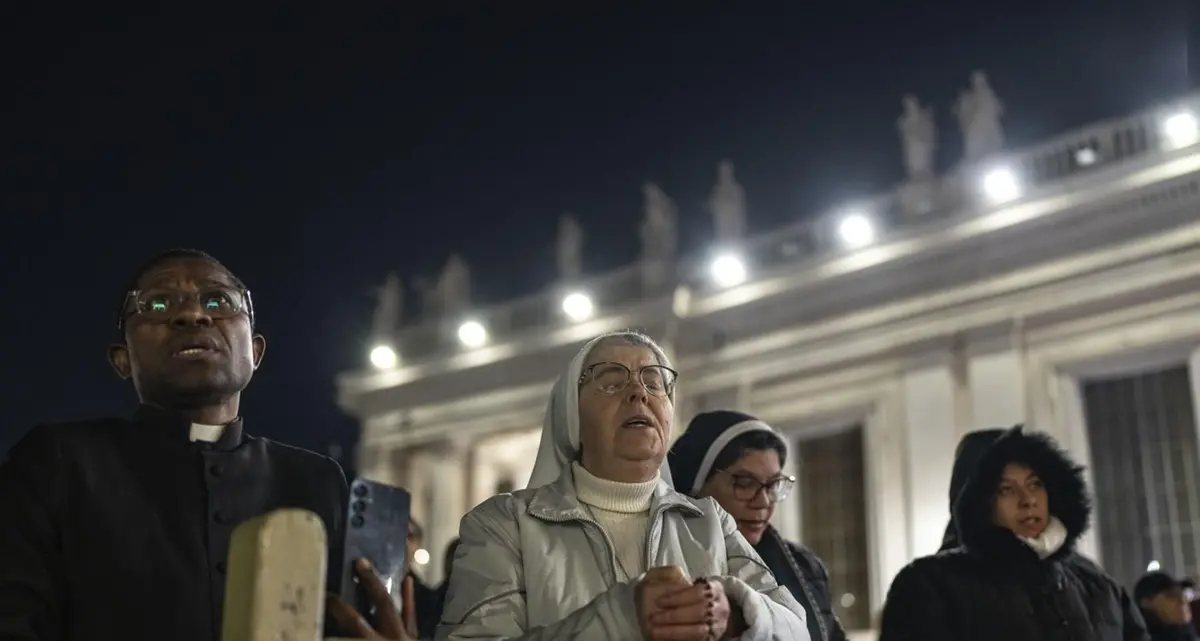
x=611 y=378
x=162 y=304
x=746 y=487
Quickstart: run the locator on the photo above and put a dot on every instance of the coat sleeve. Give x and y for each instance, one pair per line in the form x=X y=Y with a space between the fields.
x=769 y=609
x=486 y=598
x=913 y=610
x=32 y=578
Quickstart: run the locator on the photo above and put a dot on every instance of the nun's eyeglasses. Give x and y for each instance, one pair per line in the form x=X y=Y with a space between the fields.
x=611 y=378
x=746 y=487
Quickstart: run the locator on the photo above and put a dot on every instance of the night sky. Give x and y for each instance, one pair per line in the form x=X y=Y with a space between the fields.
x=314 y=153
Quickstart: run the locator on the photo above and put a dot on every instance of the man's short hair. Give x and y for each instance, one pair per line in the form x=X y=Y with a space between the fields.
x=164 y=257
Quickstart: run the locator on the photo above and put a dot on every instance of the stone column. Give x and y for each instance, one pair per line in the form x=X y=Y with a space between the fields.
x=997 y=382
x=483 y=474
x=1071 y=421
x=931 y=435
x=1194 y=375
x=522 y=468
x=398 y=467
x=887 y=488
x=372 y=462
x=471 y=465
x=448 y=477
x=960 y=370
x=745 y=391
x=419 y=481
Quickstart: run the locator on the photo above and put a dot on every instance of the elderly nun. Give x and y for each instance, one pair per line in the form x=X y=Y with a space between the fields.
x=600 y=546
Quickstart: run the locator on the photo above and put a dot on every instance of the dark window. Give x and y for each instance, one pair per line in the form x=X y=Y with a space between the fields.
x=832 y=493
x=1142 y=435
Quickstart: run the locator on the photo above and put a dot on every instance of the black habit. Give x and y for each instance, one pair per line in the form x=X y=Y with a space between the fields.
x=119 y=529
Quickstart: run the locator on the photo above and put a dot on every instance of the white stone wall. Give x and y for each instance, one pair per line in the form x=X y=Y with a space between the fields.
x=930 y=395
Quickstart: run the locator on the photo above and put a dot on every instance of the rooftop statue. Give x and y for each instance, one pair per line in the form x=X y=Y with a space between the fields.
x=453 y=289
x=389 y=308
x=659 y=224
x=918 y=137
x=728 y=205
x=569 y=251
x=979 y=112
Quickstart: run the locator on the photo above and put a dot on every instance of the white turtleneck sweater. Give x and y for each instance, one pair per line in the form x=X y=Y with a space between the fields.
x=623 y=510
x=1051 y=540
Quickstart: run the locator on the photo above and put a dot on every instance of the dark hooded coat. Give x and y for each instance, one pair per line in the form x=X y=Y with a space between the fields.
x=966 y=456
x=993 y=586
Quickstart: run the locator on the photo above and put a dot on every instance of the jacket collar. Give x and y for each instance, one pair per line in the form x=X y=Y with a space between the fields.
x=559 y=501
x=174 y=428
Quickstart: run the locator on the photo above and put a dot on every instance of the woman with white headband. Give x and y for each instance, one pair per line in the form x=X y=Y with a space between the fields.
x=600 y=546
x=738 y=461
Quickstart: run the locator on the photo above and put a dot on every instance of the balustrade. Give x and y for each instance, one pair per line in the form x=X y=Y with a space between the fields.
x=1037 y=167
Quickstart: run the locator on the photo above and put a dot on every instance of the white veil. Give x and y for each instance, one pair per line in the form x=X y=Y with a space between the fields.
x=560 y=429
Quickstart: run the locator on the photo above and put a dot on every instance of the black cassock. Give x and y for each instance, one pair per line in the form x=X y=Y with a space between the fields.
x=119 y=529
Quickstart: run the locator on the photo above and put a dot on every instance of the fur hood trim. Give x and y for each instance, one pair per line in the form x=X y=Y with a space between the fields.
x=1064 y=483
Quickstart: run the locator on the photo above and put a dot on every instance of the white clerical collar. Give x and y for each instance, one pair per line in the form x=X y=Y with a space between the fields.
x=206 y=433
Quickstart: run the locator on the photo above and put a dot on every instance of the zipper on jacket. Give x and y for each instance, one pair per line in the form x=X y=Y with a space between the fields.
x=612 y=549
x=808 y=592
x=654 y=522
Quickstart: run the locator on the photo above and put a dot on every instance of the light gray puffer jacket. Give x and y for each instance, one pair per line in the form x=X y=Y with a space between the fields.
x=534 y=566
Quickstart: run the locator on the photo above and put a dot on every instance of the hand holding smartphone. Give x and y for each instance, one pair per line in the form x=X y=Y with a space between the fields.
x=377 y=521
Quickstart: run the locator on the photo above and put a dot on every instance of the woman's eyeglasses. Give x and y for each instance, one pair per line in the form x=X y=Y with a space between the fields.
x=746 y=487
x=611 y=378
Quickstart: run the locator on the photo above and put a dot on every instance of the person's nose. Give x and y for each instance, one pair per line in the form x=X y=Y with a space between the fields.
x=191 y=314
x=638 y=392
x=1027 y=499
x=761 y=499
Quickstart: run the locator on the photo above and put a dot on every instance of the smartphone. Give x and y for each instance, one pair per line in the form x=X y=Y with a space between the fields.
x=377 y=530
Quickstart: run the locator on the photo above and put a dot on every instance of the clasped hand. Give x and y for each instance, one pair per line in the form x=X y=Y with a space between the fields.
x=671 y=608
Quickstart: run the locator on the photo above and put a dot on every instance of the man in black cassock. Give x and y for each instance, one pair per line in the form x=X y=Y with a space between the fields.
x=118 y=529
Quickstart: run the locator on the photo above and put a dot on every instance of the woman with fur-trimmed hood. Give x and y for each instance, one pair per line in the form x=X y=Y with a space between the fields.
x=1015 y=574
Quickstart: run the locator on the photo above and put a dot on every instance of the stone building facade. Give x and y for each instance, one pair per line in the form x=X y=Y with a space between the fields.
x=1057 y=286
